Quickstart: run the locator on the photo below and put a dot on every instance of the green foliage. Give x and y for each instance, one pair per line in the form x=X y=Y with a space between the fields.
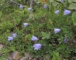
x=45 y=35
x=71 y=0
x=72 y=6
x=74 y=18
x=3 y=56
x=56 y=56
x=41 y=23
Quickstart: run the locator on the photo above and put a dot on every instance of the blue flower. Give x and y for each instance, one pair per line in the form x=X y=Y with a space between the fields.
x=14 y=35
x=34 y=38
x=25 y=24
x=29 y=9
x=45 y=6
x=37 y=46
x=66 y=12
x=61 y=0
x=56 y=30
x=21 y=6
x=10 y=38
x=65 y=40
x=57 y=12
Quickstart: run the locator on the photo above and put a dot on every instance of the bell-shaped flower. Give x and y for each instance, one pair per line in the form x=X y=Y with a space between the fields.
x=25 y=24
x=10 y=38
x=65 y=40
x=37 y=46
x=57 y=12
x=21 y=6
x=66 y=12
x=56 y=30
x=29 y=9
x=14 y=35
x=34 y=38
x=61 y=0
x=45 y=6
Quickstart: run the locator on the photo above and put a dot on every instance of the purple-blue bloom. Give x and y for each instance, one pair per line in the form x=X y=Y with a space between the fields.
x=56 y=30
x=57 y=12
x=10 y=38
x=25 y=24
x=21 y=6
x=65 y=40
x=29 y=9
x=66 y=12
x=14 y=35
x=61 y=0
x=37 y=46
x=45 y=6
x=34 y=38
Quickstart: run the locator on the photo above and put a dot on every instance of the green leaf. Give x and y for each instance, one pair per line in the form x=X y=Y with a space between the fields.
x=74 y=18
x=3 y=57
x=3 y=50
x=51 y=0
x=28 y=36
x=0 y=13
x=12 y=48
x=55 y=3
x=70 y=1
x=45 y=35
x=72 y=6
x=74 y=0
x=56 y=56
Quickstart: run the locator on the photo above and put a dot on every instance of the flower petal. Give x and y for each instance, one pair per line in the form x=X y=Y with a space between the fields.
x=10 y=38
x=45 y=6
x=57 y=12
x=56 y=30
x=66 y=12
x=14 y=35
x=25 y=24
x=61 y=0
x=29 y=9
x=21 y=6
x=65 y=40
x=37 y=46
x=34 y=38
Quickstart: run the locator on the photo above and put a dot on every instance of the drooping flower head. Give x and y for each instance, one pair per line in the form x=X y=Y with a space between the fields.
x=34 y=38
x=37 y=46
x=65 y=40
x=66 y=12
x=25 y=24
x=21 y=6
x=14 y=35
x=29 y=9
x=45 y=6
x=61 y=0
x=10 y=38
x=57 y=12
x=56 y=30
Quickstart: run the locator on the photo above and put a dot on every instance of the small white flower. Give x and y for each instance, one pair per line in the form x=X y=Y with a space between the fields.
x=25 y=24
x=56 y=30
